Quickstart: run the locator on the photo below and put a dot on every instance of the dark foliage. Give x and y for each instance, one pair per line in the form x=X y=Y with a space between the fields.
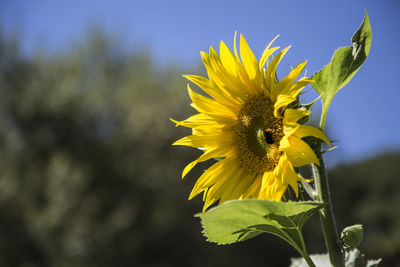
x=88 y=176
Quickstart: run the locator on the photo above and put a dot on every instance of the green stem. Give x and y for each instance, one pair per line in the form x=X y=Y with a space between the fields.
x=308 y=260
x=323 y=117
x=309 y=189
x=304 y=252
x=327 y=216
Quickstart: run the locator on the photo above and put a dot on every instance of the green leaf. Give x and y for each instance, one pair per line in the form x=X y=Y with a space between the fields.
x=345 y=63
x=352 y=236
x=354 y=258
x=239 y=220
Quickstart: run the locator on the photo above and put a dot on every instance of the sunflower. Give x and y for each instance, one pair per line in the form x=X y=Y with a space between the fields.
x=250 y=121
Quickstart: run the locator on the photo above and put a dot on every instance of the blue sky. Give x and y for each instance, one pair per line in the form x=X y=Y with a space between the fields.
x=363 y=117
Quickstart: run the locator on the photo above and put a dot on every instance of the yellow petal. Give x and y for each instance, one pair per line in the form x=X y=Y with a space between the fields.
x=222 y=151
x=211 y=176
x=208 y=201
x=246 y=86
x=202 y=120
x=291 y=177
x=243 y=185
x=277 y=191
x=221 y=188
x=267 y=53
x=277 y=186
x=305 y=130
x=188 y=168
x=207 y=105
x=206 y=141
x=296 y=87
x=248 y=59
x=212 y=72
x=278 y=171
x=227 y=83
x=290 y=119
x=267 y=180
x=227 y=58
x=234 y=45
x=297 y=151
x=284 y=85
x=282 y=101
x=211 y=89
x=294 y=115
x=231 y=188
x=270 y=74
x=253 y=189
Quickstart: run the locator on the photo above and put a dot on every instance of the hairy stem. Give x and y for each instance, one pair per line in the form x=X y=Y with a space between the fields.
x=327 y=216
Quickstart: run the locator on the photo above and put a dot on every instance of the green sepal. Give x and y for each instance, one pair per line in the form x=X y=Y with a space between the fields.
x=330 y=149
x=308 y=106
x=239 y=220
x=345 y=63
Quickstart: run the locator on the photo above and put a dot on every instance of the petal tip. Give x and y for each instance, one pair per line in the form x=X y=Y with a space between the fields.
x=177 y=123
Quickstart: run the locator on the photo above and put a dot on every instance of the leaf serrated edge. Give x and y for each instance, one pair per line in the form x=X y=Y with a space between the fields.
x=340 y=47
x=206 y=234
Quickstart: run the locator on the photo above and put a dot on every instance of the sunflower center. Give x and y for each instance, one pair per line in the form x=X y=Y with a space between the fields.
x=257 y=135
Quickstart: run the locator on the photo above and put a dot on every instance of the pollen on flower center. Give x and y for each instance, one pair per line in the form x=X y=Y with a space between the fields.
x=257 y=135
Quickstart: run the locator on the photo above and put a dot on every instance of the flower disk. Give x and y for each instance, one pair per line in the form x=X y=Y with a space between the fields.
x=247 y=121
x=257 y=135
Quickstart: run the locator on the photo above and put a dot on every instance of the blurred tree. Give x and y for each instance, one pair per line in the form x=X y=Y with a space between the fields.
x=88 y=176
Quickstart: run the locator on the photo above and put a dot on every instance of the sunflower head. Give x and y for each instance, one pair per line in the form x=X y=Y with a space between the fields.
x=248 y=119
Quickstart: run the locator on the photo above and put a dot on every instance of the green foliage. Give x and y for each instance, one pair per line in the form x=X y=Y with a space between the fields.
x=240 y=220
x=352 y=236
x=345 y=63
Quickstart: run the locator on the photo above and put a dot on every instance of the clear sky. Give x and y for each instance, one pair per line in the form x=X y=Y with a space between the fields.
x=363 y=117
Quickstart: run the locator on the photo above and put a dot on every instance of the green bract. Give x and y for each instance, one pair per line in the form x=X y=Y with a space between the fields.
x=352 y=236
x=345 y=63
